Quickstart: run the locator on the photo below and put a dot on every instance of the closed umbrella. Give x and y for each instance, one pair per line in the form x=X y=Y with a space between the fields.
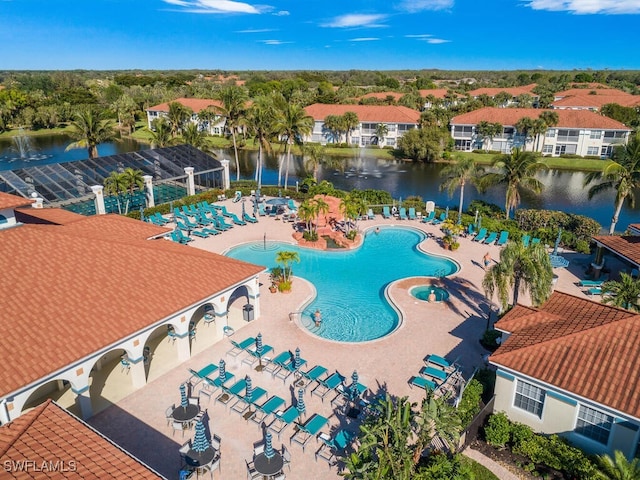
x=269 y=452
x=184 y=401
x=300 y=404
x=243 y=214
x=222 y=374
x=248 y=394
x=446 y=212
x=200 y=441
x=479 y=222
x=354 y=392
x=557 y=244
x=259 y=344
x=142 y=215
x=296 y=359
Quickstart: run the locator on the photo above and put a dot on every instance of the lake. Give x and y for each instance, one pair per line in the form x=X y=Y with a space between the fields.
x=563 y=189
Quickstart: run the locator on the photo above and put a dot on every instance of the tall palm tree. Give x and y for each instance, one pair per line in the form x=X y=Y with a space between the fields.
x=334 y=125
x=292 y=124
x=516 y=171
x=286 y=258
x=132 y=179
x=436 y=418
x=623 y=293
x=457 y=174
x=116 y=184
x=351 y=122
x=313 y=153
x=192 y=135
x=88 y=130
x=520 y=269
x=161 y=133
x=618 y=467
x=488 y=131
x=546 y=119
x=622 y=173
x=381 y=131
x=233 y=100
x=352 y=208
x=178 y=116
x=260 y=121
x=525 y=126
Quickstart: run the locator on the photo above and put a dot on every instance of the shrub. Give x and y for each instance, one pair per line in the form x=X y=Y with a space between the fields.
x=487 y=377
x=520 y=433
x=582 y=246
x=352 y=234
x=497 y=432
x=489 y=338
x=310 y=236
x=469 y=405
x=284 y=286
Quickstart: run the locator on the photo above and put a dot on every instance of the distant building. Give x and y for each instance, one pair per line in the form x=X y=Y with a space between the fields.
x=593 y=98
x=578 y=132
x=216 y=127
x=514 y=92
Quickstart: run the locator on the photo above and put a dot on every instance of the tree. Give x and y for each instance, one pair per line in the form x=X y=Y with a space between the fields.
x=319 y=207
x=233 y=100
x=352 y=207
x=88 y=130
x=436 y=418
x=517 y=172
x=260 y=122
x=314 y=153
x=457 y=174
x=548 y=119
x=351 y=122
x=618 y=467
x=177 y=117
x=116 y=184
x=292 y=124
x=487 y=130
x=622 y=173
x=525 y=127
x=132 y=179
x=421 y=144
x=502 y=98
x=521 y=269
x=161 y=133
x=381 y=131
x=286 y=258
x=334 y=126
x=194 y=136
x=623 y=293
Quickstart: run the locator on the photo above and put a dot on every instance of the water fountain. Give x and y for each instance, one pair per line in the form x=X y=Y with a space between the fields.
x=23 y=150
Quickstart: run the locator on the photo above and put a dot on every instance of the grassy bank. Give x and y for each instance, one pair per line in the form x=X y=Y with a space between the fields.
x=35 y=133
x=581 y=164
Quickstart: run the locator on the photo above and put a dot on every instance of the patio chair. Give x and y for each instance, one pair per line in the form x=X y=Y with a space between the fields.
x=440 y=219
x=412 y=213
x=216 y=441
x=314 y=373
x=241 y=347
x=253 y=356
x=249 y=218
x=332 y=446
x=258 y=448
x=422 y=383
x=169 y=414
x=429 y=217
x=177 y=427
x=591 y=283
x=504 y=236
x=181 y=238
x=385 y=212
x=403 y=213
x=292 y=205
x=159 y=218
x=526 y=239
x=267 y=408
x=482 y=234
x=327 y=385
x=344 y=395
x=288 y=368
x=438 y=361
x=471 y=229
x=261 y=210
x=230 y=393
x=309 y=430
x=491 y=238
x=242 y=404
x=286 y=457
x=199 y=233
x=370 y=214
x=213 y=384
x=236 y=220
x=184 y=449
x=594 y=291
x=435 y=373
x=276 y=364
x=252 y=473
x=283 y=419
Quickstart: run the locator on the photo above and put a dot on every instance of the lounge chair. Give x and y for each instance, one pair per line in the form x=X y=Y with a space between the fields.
x=237 y=197
x=243 y=403
x=345 y=394
x=534 y=241
x=332 y=446
x=422 y=383
x=504 y=236
x=315 y=373
x=276 y=364
x=412 y=213
x=435 y=373
x=591 y=283
x=403 y=213
x=429 y=218
x=249 y=218
x=179 y=237
x=471 y=229
x=253 y=356
x=159 y=218
x=385 y=212
x=526 y=239
x=233 y=391
x=211 y=231
x=594 y=291
x=273 y=211
x=236 y=220
x=288 y=368
x=200 y=234
x=327 y=385
x=482 y=234
x=215 y=383
x=292 y=205
x=267 y=408
x=198 y=376
x=261 y=210
x=370 y=214
x=283 y=419
x=491 y=238
x=438 y=361
x=309 y=430
x=440 y=219
x=241 y=347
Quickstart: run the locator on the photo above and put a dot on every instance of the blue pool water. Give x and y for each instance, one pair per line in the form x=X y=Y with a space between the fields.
x=350 y=284
x=422 y=292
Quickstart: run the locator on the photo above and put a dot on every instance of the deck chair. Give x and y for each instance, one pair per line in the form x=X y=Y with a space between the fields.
x=261 y=210
x=438 y=361
x=283 y=419
x=332 y=446
x=276 y=363
x=471 y=229
x=526 y=239
x=181 y=237
x=288 y=368
x=160 y=219
x=385 y=212
x=212 y=384
x=429 y=217
x=232 y=392
x=241 y=347
x=236 y=220
x=327 y=385
x=591 y=283
x=200 y=234
x=370 y=214
x=315 y=373
x=292 y=205
x=403 y=213
x=491 y=238
x=422 y=383
x=440 y=219
x=237 y=197
x=211 y=231
x=269 y=407
x=594 y=291
x=482 y=234
x=412 y=213
x=248 y=218
x=243 y=403
x=309 y=430
x=435 y=373
x=502 y=239
x=253 y=356
x=198 y=376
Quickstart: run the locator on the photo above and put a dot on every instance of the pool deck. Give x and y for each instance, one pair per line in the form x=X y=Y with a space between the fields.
x=450 y=329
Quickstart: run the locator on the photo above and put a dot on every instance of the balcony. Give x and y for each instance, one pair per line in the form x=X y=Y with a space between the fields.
x=567 y=138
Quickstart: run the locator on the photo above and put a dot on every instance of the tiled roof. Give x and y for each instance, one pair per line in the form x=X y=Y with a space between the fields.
x=50 y=216
x=566 y=118
x=366 y=113
x=592 y=91
x=195 y=104
x=627 y=246
x=513 y=91
x=13 y=201
x=579 y=346
x=71 y=290
x=597 y=101
x=49 y=436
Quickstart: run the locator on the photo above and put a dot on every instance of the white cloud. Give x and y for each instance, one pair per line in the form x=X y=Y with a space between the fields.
x=585 y=7
x=213 y=6
x=274 y=42
x=421 y=35
x=257 y=30
x=282 y=13
x=436 y=41
x=354 y=20
x=413 y=6
x=364 y=39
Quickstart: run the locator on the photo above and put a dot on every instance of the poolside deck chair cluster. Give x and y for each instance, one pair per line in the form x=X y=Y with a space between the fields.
x=488 y=238
x=439 y=376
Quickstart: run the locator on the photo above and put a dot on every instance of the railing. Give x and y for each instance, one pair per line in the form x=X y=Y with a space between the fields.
x=567 y=138
x=471 y=432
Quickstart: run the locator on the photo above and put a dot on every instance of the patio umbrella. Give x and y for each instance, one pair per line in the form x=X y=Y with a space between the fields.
x=446 y=212
x=277 y=201
x=200 y=441
x=142 y=215
x=184 y=402
x=353 y=391
x=248 y=389
x=300 y=406
x=268 y=447
x=243 y=209
x=222 y=374
x=259 y=344
x=557 y=244
x=479 y=222
x=296 y=359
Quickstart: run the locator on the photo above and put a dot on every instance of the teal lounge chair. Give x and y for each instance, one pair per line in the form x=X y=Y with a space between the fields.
x=283 y=419
x=422 y=383
x=482 y=234
x=435 y=373
x=504 y=236
x=243 y=402
x=236 y=220
x=180 y=237
x=471 y=229
x=211 y=231
x=277 y=363
x=370 y=214
x=199 y=233
x=288 y=368
x=253 y=356
x=403 y=213
x=261 y=210
x=267 y=408
x=198 y=376
x=591 y=283
x=440 y=219
x=385 y=212
x=241 y=347
x=327 y=385
x=526 y=239
x=332 y=446
x=412 y=213
x=249 y=218
x=216 y=382
x=233 y=391
x=438 y=361
x=159 y=218
x=429 y=218
x=491 y=238
x=292 y=205
x=594 y=291
x=534 y=241
x=315 y=373
x=310 y=429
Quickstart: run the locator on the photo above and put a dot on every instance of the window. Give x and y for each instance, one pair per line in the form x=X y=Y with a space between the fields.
x=529 y=398
x=606 y=151
x=462 y=131
x=547 y=149
x=609 y=134
x=561 y=149
x=463 y=145
x=550 y=133
x=594 y=424
x=593 y=151
x=595 y=134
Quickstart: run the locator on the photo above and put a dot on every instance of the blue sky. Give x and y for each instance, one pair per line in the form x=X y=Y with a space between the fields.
x=319 y=34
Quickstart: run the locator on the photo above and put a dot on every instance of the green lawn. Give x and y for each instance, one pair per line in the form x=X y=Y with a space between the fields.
x=584 y=164
x=480 y=472
x=35 y=133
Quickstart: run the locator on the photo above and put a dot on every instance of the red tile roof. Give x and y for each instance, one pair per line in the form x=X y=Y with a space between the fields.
x=71 y=290
x=51 y=216
x=566 y=118
x=597 y=101
x=437 y=92
x=13 y=201
x=513 y=91
x=579 y=346
x=627 y=246
x=51 y=438
x=593 y=92
x=195 y=104
x=366 y=113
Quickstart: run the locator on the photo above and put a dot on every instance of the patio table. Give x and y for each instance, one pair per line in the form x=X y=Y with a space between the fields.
x=200 y=459
x=268 y=466
x=185 y=414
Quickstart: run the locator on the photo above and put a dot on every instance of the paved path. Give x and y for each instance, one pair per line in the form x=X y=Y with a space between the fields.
x=497 y=469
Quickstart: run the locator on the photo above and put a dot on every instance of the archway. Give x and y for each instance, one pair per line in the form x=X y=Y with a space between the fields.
x=110 y=380
x=160 y=353
x=235 y=307
x=58 y=390
x=204 y=328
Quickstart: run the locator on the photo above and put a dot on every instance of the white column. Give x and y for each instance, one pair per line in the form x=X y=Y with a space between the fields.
x=226 y=181
x=136 y=370
x=37 y=203
x=191 y=187
x=99 y=200
x=83 y=401
x=148 y=191
x=182 y=344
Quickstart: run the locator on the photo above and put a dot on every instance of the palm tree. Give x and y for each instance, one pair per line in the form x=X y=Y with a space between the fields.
x=516 y=171
x=286 y=258
x=292 y=124
x=623 y=293
x=177 y=117
x=351 y=122
x=307 y=213
x=161 y=133
x=314 y=153
x=352 y=208
x=88 y=130
x=546 y=119
x=192 y=135
x=525 y=126
x=436 y=419
x=618 y=467
x=260 y=122
x=233 y=100
x=457 y=175
x=320 y=207
x=622 y=173
x=488 y=130
x=131 y=179
x=116 y=184
x=334 y=124
x=521 y=269
x=381 y=131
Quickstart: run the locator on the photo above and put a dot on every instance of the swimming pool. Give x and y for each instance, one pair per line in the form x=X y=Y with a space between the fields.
x=350 y=284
